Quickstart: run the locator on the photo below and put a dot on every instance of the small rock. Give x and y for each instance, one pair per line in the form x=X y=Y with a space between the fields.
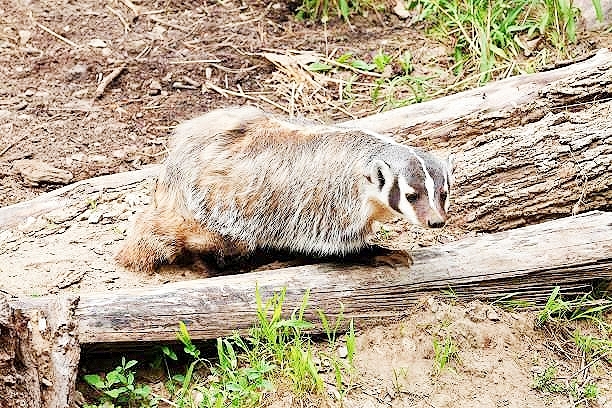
x=98 y=158
x=492 y=315
x=157 y=33
x=97 y=43
x=400 y=10
x=29 y=92
x=433 y=305
x=342 y=352
x=79 y=70
x=35 y=172
x=155 y=87
x=80 y=94
x=119 y=154
x=94 y=217
x=46 y=382
x=24 y=36
x=135 y=46
x=21 y=105
x=5 y=114
x=7 y=236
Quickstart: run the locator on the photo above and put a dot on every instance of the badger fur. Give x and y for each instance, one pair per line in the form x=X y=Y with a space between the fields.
x=238 y=179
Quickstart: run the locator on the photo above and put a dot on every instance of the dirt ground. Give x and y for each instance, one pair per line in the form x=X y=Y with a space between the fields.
x=179 y=59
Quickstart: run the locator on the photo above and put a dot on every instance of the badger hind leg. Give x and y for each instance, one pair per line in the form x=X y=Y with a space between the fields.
x=155 y=239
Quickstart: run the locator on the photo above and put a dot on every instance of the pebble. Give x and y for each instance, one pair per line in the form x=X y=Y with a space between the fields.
x=342 y=352
x=97 y=43
x=155 y=87
x=492 y=315
x=24 y=36
x=94 y=217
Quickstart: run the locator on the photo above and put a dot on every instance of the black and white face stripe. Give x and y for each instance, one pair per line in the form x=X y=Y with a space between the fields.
x=394 y=196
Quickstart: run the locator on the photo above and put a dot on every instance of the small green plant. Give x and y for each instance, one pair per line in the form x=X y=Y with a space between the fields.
x=331 y=329
x=445 y=352
x=92 y=203
x=547 y=381
x=351 y=343
x=321 y=9
x=381 y=60
x=509 y=303
x=397 y=373
x=118 y=388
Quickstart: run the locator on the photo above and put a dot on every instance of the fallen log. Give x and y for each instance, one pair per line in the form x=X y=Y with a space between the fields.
x=570 y=252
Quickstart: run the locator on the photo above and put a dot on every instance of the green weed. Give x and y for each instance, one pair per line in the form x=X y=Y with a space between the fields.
x=445 y=352
x=547 y=381
x=585 y=308
x=508 y=302
x=492 y=36
x=275 y=351
x=118 y=388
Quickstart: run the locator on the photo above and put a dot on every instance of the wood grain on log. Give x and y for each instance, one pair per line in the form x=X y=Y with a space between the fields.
x=15 y=214
x=570 y=252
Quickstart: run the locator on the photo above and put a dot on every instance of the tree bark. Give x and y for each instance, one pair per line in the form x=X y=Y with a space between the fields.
x=39 y=353
x=527 y=262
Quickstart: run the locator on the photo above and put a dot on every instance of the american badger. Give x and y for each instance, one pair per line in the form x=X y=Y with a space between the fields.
x=238 y=179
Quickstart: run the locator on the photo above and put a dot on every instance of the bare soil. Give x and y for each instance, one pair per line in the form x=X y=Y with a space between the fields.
x=184 y=58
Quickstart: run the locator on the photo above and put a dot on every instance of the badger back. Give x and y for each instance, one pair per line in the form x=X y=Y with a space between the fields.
x=275 y=184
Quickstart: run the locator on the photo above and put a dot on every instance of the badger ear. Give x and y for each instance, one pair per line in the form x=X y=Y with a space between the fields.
x=380 y=174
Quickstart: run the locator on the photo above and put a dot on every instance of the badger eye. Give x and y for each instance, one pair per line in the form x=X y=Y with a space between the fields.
x=412 y=197
x=443 y=196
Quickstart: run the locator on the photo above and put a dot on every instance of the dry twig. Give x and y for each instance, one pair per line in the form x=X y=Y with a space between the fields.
x=56 y=35
x=107 y=80
x=126 y=26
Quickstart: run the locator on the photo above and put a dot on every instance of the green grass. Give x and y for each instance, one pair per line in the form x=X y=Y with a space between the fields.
x=445 y=352
x=547 y=381
x=276 y=352
x=495 y=37
x=487 y=39
x=119 y=389
x=582 y=326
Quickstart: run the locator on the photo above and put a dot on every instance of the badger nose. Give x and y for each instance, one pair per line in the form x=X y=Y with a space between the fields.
x=435 y=224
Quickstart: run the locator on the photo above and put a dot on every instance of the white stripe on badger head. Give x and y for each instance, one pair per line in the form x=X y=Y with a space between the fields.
x=429 y=184
x=447 y=191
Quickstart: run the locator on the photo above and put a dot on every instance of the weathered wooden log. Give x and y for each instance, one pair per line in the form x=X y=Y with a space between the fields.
x=571 y=252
